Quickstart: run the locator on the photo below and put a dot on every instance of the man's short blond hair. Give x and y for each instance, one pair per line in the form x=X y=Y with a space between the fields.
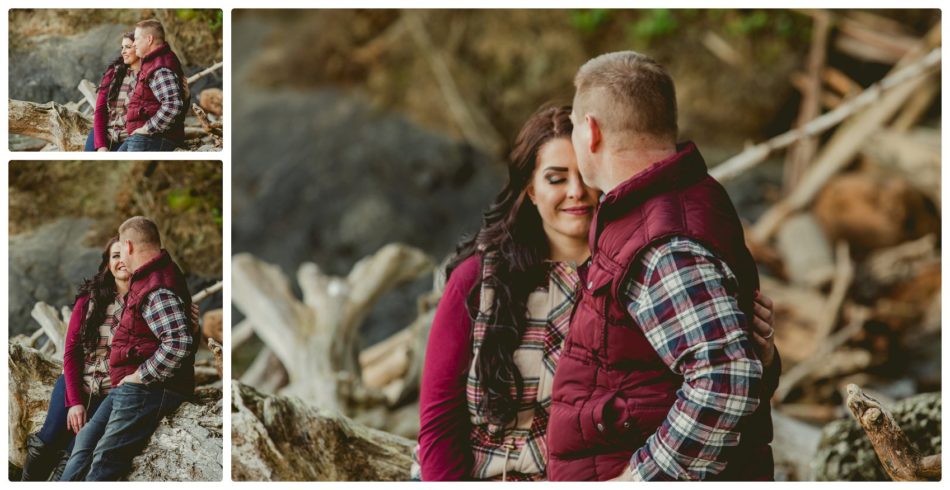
x=628 y=93
x=141 y=231
x=153 y=27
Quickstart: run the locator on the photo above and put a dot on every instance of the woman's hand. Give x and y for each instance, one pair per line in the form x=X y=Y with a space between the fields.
x=763 y=332
x=76 y=418
x=194 y=317
x=103 y=148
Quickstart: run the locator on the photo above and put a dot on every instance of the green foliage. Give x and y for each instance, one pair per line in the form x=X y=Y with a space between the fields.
x=213 y=17
x=655 y=24
x=181 y=200
x=588 y=21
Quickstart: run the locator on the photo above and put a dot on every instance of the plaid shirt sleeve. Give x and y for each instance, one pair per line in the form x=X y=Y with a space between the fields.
x=165 y=315
x=685 y=300
x=164 y=84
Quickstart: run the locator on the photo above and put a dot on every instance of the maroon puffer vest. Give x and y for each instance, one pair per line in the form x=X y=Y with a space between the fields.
x=134 y=342
x=142 y=102
x=611 y=390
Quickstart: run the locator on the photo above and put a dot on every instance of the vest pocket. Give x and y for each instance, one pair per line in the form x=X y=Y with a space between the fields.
x=606 y=422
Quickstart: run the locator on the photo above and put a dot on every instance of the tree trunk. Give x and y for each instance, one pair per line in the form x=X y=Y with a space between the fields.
x=276 y=438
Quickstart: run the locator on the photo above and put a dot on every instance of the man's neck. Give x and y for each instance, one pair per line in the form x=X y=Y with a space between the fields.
x=623 y=164
x=147 y=257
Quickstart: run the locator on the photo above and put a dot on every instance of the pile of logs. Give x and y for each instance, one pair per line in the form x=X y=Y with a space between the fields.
x=851 y=250
x=187 y=445
x=65 y=127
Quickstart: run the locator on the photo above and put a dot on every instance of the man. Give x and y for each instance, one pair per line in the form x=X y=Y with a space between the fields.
x=657 y=378
x=151 y=363
x=155 y=115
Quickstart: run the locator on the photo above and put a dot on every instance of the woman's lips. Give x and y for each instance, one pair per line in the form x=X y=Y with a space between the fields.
x=577 y=210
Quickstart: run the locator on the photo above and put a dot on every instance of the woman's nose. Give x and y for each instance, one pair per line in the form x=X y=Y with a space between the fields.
x=575 y=187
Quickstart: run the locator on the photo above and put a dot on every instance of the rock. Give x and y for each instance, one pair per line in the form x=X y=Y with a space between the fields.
x=845 y=453
x=49 y=68
x=322 y=177
x=212 y=100
x=276 y=438
x=48 y=264
x=806 y=252
x=187 y=446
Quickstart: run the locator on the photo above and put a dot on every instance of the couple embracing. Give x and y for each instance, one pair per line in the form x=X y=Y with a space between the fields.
x=140 y=104
x=129 y=361
x=605 y=322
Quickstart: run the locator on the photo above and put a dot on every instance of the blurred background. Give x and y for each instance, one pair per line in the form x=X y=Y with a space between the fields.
x=53 y=50
x=359 y=128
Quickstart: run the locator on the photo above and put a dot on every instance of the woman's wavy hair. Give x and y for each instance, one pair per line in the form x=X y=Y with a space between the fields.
x=512 y=231
x=101 y=290
x=120 y=70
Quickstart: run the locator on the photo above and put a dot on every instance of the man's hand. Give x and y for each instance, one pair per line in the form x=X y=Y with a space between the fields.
x=141 y=130
x=103 y=148
x=763 y=332
x=132 y=378
x=76 y=418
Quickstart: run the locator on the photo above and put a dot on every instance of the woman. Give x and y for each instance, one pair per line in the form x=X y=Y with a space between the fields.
x=108 y=130
x=85 y=381
x=487 y=418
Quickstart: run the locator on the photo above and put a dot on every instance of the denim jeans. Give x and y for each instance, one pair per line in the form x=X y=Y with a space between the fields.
x=141 y=142
x=120 y=431
x=91 y=142
x=54 y=432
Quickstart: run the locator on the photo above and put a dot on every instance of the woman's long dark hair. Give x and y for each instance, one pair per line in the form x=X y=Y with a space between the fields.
x=101 y=290
x=512 y=231
x=120 y=70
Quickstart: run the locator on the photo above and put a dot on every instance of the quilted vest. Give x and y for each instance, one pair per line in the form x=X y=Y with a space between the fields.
x=142 y=102
x=134 y=341
x=611 y=389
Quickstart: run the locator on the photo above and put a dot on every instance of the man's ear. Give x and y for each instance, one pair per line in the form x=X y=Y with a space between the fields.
x=128 y=247
x=596 y=137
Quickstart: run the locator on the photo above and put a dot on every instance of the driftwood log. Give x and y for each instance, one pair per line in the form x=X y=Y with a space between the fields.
x=316 y=340
x=276 y=438
x=186 y=447
x=52 y=122
x=901 y=460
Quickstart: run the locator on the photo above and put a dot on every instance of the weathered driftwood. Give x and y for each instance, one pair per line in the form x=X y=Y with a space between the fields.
x=906 y=77
x=186 y=447
x=316 y=340
x=276 y=438
x=52 y=122
x=53 y=326
x=212 y=128
x=848 y=139
x=901 y=460
x=824 y=361
x=805 y=251
x=802 y=151
x=845 y=453
x=217 y=350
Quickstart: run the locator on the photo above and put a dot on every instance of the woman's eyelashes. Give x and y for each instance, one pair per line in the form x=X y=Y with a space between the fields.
x=555 y=178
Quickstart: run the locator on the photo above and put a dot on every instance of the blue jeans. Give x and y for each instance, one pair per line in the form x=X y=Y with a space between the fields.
x=91 y=142
x=141 y=142
x=54 y=432
x=120 y=431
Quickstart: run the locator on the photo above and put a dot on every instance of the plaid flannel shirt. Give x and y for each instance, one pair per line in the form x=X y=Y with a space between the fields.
x=165 y=315
x=164 y=85
x=684 y=299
